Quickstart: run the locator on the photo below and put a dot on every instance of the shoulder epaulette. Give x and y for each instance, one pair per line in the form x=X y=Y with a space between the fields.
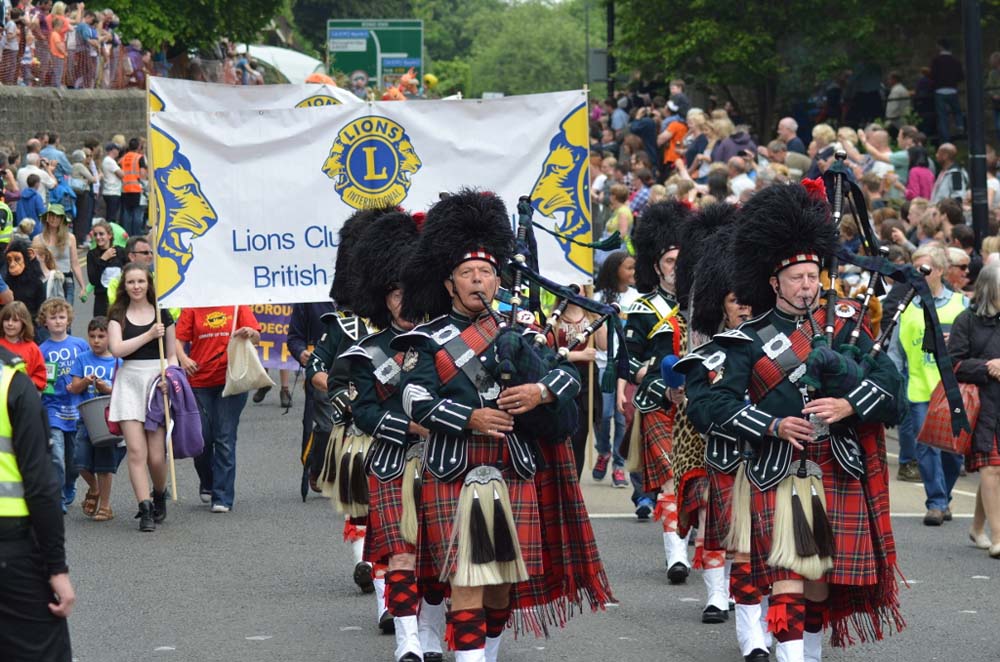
x=688 y=362
x=731 y=336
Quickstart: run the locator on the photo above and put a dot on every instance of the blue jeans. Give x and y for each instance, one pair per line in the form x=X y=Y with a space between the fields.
x=216 y=466
x=938 y=469
x=69 y=287
x=62 y=445
x=603 y=441
x=133 y=220
x=908 y=435
x=943 y=105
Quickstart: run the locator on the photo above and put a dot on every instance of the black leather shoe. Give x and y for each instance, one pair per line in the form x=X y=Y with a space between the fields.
x=678 y=573
x=145 y=516
x=713 y=614
x=387 y=624
x=757 y=655
x=363 y=577
x=159 y=506
x=433 y=657
x=410 y=657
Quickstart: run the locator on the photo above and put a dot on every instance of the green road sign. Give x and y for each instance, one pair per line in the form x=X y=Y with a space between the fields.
x=384 y=49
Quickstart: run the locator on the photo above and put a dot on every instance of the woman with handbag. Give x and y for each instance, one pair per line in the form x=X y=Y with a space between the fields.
x=974 y=346
x=209 y=331
x=134 y=336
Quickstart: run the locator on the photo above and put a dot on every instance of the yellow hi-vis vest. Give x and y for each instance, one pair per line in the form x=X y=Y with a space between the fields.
x=12 y=503
x=923 y=370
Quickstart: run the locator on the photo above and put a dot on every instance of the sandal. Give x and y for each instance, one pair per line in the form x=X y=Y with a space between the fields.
x=104 y=514
x=89 y=505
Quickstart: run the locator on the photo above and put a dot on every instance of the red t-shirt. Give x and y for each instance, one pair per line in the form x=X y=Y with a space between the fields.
x=208 y=330
x=34 y=362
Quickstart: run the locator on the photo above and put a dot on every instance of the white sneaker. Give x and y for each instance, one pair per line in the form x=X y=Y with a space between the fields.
x=206 y=496
x=219 y=508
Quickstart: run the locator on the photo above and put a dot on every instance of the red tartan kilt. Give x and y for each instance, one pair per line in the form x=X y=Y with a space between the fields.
x=657 y=444
x=438 y=502
x=385 y=512
x=719 y=511
x=854 y=563
x=693 y=499
x=976 y=460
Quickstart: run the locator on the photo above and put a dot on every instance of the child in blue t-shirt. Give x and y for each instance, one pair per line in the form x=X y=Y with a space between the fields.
x=59 y=352
x=92 y=374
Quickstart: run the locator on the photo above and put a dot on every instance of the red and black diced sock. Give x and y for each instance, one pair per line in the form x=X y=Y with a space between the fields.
x=433 y=592
x=496 y=621
x=402 y=598
x=741 y=585
x=466 y=629
x=786 y=616
x=816 y=615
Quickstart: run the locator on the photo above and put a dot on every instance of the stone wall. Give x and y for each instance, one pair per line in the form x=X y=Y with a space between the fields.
x=74 y=114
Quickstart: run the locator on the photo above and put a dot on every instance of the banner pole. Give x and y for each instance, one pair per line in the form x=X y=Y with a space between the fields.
x=154 y=221
x=591 y=439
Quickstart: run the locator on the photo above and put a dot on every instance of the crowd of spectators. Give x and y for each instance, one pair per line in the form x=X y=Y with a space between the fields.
x=67 y=45
x=647 y=147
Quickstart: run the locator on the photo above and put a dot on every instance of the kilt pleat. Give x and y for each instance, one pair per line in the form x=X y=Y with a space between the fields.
x=657 y=435
x=574 y=574
x=385 y=512
x=719 y=509
x=439 y=501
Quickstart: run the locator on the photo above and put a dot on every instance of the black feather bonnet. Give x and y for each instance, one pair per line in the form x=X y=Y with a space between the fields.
x=466 y=225
x=384 y=246
x=657 y=231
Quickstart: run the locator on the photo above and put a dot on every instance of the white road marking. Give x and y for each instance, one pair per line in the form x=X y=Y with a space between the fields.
x=688 y=599
x=980 y=577
x=968 y=611
x=632 y=515
x=350 y=628
x=164 y=648
x=259 y=637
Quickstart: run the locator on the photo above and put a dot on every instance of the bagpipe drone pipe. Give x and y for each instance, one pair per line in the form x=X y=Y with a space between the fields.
x=521 y=351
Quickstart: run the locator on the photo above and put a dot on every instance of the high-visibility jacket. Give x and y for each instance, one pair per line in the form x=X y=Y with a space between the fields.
x=12 y=503
x=130 y=173
x=923 y=371
x=6 y=223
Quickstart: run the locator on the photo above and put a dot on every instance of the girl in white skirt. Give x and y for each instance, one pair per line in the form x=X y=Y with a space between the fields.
x=133 y=336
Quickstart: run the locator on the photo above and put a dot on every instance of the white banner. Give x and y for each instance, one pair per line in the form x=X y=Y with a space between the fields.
x=174 y=95
x=251 y=201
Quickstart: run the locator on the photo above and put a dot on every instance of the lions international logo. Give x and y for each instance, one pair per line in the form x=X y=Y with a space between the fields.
x=185 y=213
x=318 y=100
x=371 y=163
x=563 y=187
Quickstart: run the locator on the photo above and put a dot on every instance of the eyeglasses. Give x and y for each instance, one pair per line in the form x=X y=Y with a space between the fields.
x=141 y=253
x=963 y=267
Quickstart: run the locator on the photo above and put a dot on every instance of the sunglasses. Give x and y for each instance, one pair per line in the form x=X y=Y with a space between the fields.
x=963 y=267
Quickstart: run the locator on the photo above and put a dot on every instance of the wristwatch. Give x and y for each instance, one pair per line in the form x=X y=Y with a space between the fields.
x=544 y=391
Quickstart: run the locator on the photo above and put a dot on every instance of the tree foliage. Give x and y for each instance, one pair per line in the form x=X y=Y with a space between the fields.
x=188 y=23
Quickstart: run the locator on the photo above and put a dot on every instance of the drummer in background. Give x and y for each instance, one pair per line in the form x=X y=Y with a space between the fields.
x=92 y=374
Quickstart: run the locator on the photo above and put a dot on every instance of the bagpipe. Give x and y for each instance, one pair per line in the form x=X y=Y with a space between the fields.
x=522 y=351
x=803 y=540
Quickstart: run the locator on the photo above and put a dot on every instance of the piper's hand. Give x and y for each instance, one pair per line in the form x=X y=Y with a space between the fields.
x=830 y=410
x=64 y=594
x=795 y=431
x=518 y=400
x=491 y=422
x=675 y=395
x=418 y=429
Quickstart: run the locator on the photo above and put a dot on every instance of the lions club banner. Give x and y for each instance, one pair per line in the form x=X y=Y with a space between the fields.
x=174 y=95
x=251 y=201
